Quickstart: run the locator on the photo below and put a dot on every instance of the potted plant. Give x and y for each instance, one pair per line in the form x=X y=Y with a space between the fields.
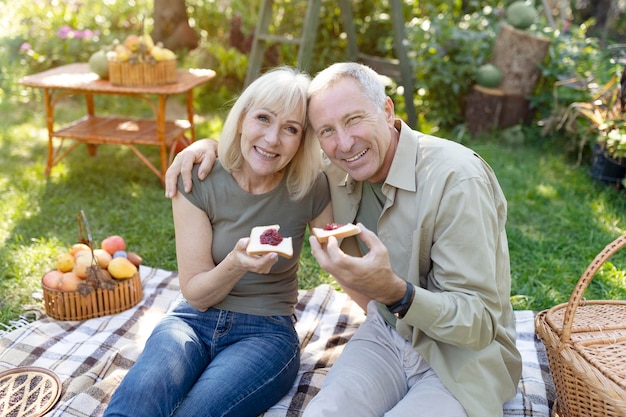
x=599 y=123
x=608 y=164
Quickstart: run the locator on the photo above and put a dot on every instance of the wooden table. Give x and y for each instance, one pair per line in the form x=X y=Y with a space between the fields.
x=93 y=130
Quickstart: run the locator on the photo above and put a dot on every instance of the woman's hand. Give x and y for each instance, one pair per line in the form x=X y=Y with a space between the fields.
x=261 y=264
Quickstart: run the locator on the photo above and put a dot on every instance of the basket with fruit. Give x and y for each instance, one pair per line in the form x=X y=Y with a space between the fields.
x=139 y=62
x=88 y=282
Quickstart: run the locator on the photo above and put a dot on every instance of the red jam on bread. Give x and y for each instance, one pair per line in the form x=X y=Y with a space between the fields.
x=270 y=237
x=266 y=239
x=335 y=229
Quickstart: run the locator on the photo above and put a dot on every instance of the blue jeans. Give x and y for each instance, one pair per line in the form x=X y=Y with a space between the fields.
x=212 y=363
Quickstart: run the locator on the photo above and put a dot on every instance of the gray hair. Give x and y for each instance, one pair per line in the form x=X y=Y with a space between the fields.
x=369 y=80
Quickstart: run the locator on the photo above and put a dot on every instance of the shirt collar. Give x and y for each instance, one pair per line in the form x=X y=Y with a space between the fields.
x=402 y=171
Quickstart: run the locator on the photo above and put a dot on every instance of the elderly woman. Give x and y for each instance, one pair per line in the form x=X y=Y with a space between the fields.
x=229 y=348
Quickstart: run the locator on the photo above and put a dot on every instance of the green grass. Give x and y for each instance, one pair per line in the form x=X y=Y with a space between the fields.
x=558 y=221
x=558 y=218
x=118 y=193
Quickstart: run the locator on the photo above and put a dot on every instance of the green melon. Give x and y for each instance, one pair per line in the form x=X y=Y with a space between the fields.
x=488 y=75
x=99 y=64
x=520 y=14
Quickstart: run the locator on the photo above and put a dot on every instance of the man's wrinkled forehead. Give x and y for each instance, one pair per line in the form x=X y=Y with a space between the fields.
x=337 y=101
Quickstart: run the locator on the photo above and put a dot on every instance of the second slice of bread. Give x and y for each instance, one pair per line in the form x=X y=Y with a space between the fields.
x=346 y=230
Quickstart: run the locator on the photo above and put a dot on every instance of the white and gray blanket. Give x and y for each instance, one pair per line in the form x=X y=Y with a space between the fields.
x=91 y=357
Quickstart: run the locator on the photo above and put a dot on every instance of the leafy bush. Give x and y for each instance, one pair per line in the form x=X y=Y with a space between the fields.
x=447 y=41
x=574 y=56
x=576 y=97
x=45 y=34
x=446 y=52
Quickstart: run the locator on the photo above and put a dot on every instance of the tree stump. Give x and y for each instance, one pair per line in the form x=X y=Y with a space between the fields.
x=518 y=53
x=516 y=110
x=483 y=108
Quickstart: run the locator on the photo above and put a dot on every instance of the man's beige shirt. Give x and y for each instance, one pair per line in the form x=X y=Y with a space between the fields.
x=444 y=227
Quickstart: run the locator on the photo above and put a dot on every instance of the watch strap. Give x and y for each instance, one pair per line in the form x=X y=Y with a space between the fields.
x=400 y=308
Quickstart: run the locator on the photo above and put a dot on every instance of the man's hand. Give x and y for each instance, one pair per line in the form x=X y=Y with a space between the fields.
x=370 y=275
x=202 y=151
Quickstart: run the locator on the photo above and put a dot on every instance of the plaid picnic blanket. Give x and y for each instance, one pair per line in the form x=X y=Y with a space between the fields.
x=91 y=357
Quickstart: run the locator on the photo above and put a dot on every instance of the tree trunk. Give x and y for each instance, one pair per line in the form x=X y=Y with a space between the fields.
x=171 y=25
x=597 y=9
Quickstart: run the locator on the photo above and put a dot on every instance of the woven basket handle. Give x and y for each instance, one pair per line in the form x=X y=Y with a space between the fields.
x=82 y=221
x=576 y=298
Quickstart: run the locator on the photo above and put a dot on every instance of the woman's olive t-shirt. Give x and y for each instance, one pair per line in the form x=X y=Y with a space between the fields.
x=233 y=213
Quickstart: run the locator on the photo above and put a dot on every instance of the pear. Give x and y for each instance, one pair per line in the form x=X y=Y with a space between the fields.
x=147 y=40
x=121 y=268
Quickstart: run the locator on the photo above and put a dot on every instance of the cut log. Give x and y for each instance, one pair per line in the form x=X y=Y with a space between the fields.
x=518 y=53
x=490 y=108
x=483 y=109
x=515 y=111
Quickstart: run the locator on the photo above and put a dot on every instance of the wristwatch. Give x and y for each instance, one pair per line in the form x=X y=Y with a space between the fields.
x=401 y=307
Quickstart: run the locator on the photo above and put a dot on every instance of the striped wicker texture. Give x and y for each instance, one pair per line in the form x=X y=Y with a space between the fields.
x=72 y=305
x=586 y=347
x=28 y=392
x=142 y=73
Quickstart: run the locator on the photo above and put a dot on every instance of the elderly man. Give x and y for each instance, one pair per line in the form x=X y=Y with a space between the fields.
x=431 y=266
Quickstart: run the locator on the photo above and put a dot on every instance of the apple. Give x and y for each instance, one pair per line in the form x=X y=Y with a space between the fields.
x=69 y=281
x=132 y=43
x=82 y=264
x=113 y=243
x=65 y=262
x=77 y=247
x=52 y=279
x=120 y=54
x=83 y=252
x=103 y=257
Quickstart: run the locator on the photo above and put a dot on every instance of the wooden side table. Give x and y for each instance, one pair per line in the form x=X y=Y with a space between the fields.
x=94 y=130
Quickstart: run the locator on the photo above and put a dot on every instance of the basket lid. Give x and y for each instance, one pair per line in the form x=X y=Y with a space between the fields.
x=28 y=391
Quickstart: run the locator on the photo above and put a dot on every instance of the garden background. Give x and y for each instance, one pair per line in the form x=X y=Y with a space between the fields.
x=559 y=218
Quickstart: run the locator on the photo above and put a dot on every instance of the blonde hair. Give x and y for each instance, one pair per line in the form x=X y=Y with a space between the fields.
x=282 y=90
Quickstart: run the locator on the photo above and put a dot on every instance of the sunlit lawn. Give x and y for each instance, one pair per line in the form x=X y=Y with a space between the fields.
x=558 y=218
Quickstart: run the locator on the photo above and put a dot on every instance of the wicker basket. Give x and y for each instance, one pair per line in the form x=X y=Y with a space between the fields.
x=586 y=346
x=71 y=305
x=142 y=73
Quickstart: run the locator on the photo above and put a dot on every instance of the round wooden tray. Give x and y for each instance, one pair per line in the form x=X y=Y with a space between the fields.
x=28 y=391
